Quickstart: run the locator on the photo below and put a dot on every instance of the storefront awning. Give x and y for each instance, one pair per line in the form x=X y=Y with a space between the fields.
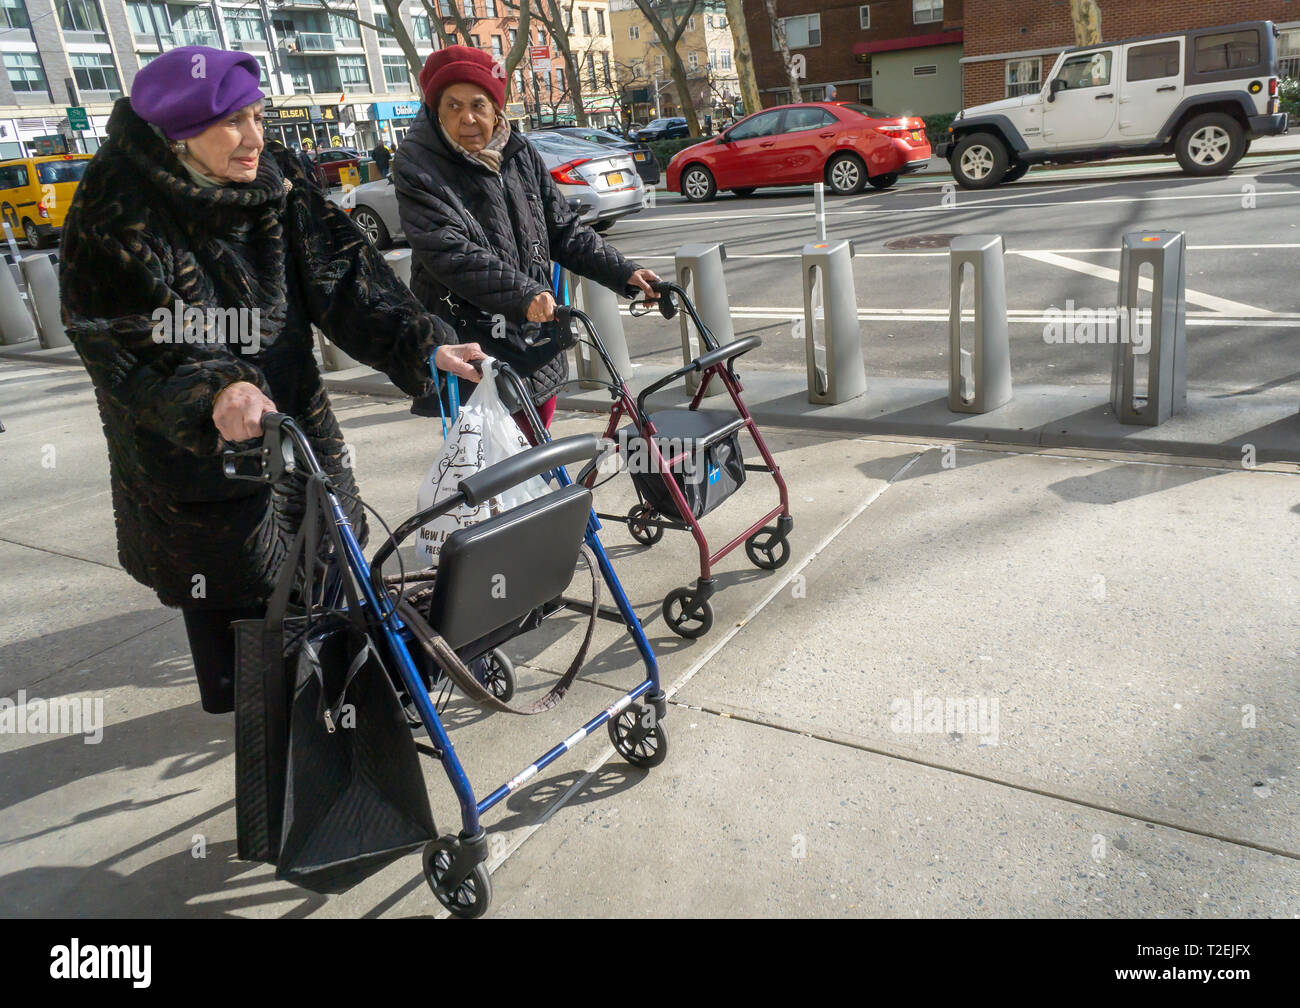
x=953 y=37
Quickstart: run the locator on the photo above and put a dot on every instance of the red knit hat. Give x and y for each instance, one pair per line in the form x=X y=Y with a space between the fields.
x=462 y=65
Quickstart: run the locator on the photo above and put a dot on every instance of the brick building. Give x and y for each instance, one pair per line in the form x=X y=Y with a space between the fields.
x=902 y=56
x=1009 y=46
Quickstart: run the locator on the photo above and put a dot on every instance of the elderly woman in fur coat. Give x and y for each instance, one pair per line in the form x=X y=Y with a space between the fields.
x=184 y=214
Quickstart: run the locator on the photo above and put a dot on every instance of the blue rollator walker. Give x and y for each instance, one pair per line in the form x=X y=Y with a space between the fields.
x=535 y=547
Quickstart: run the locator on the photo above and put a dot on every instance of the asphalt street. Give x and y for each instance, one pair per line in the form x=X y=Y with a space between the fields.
x=1062 y=230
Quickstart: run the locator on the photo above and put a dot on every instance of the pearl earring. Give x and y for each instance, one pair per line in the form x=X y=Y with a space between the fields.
x=179 y=148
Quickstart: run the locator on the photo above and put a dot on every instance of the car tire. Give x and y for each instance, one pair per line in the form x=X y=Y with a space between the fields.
x=979 y=161
x=698 y=185
x=747 y=191
x=1016 y=172
x=1210 y=144
x=882 y=181
x=845 y=174
x=33 y=235
x=373 y=227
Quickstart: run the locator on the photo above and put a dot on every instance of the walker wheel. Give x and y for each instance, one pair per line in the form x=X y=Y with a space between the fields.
x=644 y=529
x=767 y=548
x=683 y=617
x=638 y=736
x=471 y=898
x=497 y=673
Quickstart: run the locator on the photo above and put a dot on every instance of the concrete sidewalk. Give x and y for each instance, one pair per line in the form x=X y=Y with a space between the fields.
x=1123 y=631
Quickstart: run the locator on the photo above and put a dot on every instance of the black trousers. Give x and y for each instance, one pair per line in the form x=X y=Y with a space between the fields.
x=212 y=644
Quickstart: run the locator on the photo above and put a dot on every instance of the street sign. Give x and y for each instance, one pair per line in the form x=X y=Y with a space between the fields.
x=77 y=117
x=539 y=54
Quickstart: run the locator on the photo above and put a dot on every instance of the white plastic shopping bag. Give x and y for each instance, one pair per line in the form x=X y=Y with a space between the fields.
x=483 y=434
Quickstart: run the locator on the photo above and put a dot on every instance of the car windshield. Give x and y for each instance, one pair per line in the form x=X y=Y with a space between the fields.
x=656 y=122
x=598 y=137
x=54 y=172
x=559 y=143
x=869 y=112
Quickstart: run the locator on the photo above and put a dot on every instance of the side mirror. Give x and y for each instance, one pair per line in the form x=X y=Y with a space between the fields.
x=1056 y=85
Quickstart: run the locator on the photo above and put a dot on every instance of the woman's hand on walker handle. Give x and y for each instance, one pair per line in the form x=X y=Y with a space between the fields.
x=457 y=358
x=542 y=307
x=643 y=278
x=238 y=409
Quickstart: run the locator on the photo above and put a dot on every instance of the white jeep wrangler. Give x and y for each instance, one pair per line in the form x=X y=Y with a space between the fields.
x=1200 y=95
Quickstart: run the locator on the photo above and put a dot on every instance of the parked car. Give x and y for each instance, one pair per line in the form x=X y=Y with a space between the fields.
x=36 y=192
x=660 y=129
x=1199 y=95
x=646 y=164
x=331 y=160
x=844 y=144
x=599 y=184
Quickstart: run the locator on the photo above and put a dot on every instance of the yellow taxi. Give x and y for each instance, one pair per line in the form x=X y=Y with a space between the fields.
x=36 y=192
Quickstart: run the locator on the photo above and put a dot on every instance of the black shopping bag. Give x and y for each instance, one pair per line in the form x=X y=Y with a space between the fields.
x=354 y=795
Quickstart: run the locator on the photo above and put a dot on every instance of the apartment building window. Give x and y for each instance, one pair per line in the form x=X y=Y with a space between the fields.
x=519 y=81
x=396 y=75
x=263 y=78
x=25 y=73
x=722 y=20
x=633 y=32
x=514 y=35
x=586 y=20
x=422 y=29
x=241 y=25
x=444 y=8
x=469 y=8
x=383 y=24
x=600 y=22
x=82 y=16
x=693 y=60
x=604 y=69
x=708 y=21
x=559 y=79
x=476 y=42
x=343 y=28
x=496 y=45
x=352 y=73
x=490 y=8
x=925 y=11
x=591 y=69
x=724 y=59
x=13 y=14
x=541 y=36
x=1024 y=76
x=568 y=21
x=690 y=23
x=803 y=32
x=864 y=17
x=864 y=92
x=95 y=72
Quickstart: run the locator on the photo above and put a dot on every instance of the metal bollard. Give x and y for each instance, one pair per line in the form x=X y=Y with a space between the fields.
x=699 y=273
x=830 y=310
x=400 y=261
x=15 y=257
x=601 y=304
x=43 y=295
x=16 y=323
x=331 y=356
x=979 y=380
x=1166 y=334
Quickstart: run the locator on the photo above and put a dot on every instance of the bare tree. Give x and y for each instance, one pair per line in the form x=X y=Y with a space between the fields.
x=743 y=57
x=398 y=31
x=786 y=59
x=669 y=35
x=1086 y=16
x=557 y=17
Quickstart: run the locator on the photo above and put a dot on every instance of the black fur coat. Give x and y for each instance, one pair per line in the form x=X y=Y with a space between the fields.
x=140 y=236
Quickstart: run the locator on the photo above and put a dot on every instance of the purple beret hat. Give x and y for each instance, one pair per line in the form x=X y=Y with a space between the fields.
x=186 y=90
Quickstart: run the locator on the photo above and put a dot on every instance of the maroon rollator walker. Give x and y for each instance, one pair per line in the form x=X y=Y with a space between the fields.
x=685 y=462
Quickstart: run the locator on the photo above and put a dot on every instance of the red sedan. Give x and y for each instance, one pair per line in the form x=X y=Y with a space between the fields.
x=844 y=144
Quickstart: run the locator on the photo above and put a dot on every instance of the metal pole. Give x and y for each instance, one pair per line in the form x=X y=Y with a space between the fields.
x=15 y=258
x=819 y=206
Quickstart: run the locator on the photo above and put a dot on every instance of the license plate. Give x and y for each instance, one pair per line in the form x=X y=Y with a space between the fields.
x=916 y=135
x=640 y=157
x=614 y=178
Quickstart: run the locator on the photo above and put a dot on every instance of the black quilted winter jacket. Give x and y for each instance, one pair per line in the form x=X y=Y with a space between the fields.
x=483 y=243
x=140 y=237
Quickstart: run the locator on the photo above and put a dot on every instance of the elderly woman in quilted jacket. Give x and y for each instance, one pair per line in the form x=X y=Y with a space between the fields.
x=195 y=259
x=484 y=221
